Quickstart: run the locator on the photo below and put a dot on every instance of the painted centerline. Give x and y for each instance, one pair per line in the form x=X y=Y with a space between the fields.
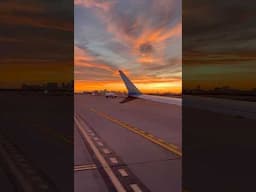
x=124 y=175
x=167 y=146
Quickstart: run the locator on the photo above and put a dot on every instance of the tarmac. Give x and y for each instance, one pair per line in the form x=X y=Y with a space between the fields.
x=36 y=142
x=140 y=142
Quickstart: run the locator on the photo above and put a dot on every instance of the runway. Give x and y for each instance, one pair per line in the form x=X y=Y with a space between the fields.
x=218 y=143
x=236 y=108
x=134 y=146
x=36 y=142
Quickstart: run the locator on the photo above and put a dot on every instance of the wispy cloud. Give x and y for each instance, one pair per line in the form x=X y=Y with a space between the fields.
x=36 y=36
x=102 y=5
x=31 y=13
x=219 y=43
x=132 y=35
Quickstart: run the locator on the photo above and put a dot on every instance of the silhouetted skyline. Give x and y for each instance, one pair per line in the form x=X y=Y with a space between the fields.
x=37 y=40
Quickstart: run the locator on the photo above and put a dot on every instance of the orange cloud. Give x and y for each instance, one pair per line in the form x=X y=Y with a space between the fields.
x=9 y=16
x=36 y=22
x=155 y=37
x=102 y=5
x=122 y=29
x=147 y=84
x=146 y=41
x=11 y=6
x=158 y=35
x=226 y=58
x=34 y=71
x=80 y=54
x=146 y=59
x=149 y=87
x=85 y=59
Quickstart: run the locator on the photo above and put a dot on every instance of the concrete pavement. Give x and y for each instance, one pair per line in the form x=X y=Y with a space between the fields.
x=218 y=144
x=86 y=179
x=237 y=108
x=144 y=136
x=40 y=129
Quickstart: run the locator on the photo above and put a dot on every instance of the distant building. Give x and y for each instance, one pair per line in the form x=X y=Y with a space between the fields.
x=31 y=87
x=51 y=86
x=67 y=86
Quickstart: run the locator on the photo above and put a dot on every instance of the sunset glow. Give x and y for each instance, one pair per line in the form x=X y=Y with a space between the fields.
x=153 y=87
x=218 y=46
x=37 y=43
x=142 y=38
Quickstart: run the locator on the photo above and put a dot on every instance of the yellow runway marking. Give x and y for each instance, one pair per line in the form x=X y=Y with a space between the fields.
x=170 y=147
x=84 y=167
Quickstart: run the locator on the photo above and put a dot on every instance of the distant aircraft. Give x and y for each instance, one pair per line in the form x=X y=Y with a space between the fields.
x=133 y=93
x=110 y=95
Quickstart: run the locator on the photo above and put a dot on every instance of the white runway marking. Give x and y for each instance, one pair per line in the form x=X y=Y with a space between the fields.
x=85 y=167
x=106 y=151
x=96 y=138
x=113 y=160
x=135 y=188
x=123 y=172
x=119 y=187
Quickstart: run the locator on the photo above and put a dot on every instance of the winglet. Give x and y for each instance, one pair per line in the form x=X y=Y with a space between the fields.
x=132 y=89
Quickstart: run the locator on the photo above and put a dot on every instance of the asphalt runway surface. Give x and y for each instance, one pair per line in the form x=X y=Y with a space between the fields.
x=224 y=106
x=134 y=146
x=140 y=142
x=36 y=141
x=5 y=182
x=219 y=144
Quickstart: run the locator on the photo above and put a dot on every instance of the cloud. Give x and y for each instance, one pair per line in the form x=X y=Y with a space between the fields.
x=138 y=36
x=213 y=35
x=136 y=29
x=31 y=14
x=219 y=43
x=37 y=36
x=104 y=5
x=89 y=66
x=11 y=7
x=209 y=26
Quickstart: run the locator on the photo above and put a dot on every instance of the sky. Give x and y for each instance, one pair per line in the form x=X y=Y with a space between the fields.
x=219 y=44
x=37 y=40
x=142 y=38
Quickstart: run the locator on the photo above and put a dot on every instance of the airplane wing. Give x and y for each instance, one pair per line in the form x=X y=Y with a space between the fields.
x=132 y=89
x=127 y=99
x=134 y=92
